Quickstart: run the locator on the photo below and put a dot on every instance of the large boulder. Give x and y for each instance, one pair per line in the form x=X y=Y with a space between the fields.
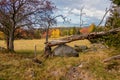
x=65 y=50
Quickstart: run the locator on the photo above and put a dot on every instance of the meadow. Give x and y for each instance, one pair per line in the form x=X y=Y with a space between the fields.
x=88 y=66
x=27 y=46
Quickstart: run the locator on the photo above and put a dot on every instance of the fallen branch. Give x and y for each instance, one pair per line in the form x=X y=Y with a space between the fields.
x=112 y=58
x=93 y=35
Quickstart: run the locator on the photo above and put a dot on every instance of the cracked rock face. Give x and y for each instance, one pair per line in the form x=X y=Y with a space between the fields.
x=65 y=50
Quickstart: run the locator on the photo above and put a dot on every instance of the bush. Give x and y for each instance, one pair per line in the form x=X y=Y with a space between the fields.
x=112 y=40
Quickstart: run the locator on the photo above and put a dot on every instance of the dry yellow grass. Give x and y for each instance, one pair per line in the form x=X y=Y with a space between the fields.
x=2 y=43
x=28 y=45
x=14 y=67
x=25 y=44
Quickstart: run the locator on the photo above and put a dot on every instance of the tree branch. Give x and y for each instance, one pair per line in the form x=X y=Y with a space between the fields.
x=112 y=58
x=81 y=37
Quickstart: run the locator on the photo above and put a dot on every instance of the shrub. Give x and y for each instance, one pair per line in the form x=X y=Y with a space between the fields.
x=112 y=40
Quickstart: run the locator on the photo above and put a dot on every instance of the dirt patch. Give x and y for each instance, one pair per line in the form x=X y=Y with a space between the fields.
x=78 y=73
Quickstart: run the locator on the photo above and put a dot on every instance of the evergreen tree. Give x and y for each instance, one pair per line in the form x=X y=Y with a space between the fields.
x=117 y=2
x=113 y=20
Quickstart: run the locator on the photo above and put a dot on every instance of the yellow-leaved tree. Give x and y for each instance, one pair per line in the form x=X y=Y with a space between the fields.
x=55 y=33
x=91 y=28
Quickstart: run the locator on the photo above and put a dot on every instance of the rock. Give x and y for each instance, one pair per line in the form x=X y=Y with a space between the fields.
x=80 y=48
x=65 y=50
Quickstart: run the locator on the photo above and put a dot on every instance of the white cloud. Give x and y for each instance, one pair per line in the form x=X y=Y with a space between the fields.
x=92 y=12
x=94 y=9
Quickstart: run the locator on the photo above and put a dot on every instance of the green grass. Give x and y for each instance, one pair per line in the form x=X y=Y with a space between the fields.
x=19 y=66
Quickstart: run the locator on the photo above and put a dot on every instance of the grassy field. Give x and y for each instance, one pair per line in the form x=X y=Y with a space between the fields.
x=27 y=46
x=88 y=66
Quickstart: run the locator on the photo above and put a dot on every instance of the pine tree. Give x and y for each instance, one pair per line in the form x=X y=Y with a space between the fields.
x=113 y=20
x=117 y=2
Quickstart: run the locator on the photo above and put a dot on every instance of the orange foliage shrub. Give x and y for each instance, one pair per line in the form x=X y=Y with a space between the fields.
x=44 y=34
x=88 y=30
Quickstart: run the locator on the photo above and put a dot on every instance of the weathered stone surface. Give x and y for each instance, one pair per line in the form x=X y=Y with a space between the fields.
x=80 y=48
x=65 y=50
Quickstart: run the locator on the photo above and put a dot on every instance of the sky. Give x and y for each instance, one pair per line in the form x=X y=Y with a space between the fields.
x=93 y=11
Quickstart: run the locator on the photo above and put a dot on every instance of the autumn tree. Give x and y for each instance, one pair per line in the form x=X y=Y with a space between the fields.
x=88 y=30
x=55 y=33
x=21 y=13
x=49 y=21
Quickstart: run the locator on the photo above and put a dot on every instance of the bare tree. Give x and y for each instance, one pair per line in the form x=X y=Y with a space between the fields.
x=106 y=12
x=81 y=14
x=49 y=20
x=21 y=13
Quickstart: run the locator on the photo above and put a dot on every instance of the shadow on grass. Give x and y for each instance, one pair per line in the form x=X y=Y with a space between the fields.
x=29 y=53
x=2 y=79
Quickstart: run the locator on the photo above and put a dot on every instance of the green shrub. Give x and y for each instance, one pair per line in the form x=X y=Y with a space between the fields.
x=112 y=40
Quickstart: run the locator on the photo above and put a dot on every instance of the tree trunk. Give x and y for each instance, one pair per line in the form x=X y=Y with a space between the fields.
x=11 y=41
x=103 y=17
x=47 y=32
x=47 y=51
x=7 y=42
x=112 y=58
